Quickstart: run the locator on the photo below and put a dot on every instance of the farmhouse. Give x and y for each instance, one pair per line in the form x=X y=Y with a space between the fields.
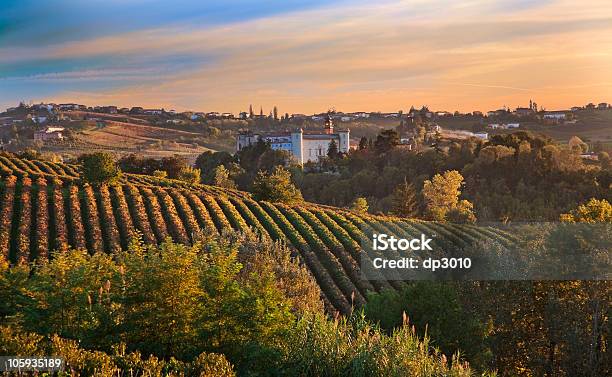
x=49 y=133
x=303 y=146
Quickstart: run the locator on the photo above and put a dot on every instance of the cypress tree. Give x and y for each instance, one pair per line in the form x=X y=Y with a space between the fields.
x=405 y=200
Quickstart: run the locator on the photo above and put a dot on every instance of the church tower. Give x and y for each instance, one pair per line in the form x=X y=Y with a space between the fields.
x=329 y=124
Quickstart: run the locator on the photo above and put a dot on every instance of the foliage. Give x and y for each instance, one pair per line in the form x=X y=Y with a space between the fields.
x=405 y=200
x=208 y=161
x=173 y=166
x=386 y=141
x=160 y=174
x=276 y=187
x=594 y=211
x=99 y=167
x=360 y=205
x=452 y=328
x=84 y=362
x=221 y=178
x=171 y=300
x=332 y=149
x=353 y=346
x=441 y=195
x=518 y=176
x=462 y=213
x=189 y=175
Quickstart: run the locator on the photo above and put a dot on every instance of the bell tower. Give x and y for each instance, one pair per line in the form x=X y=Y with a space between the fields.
x=329 y=124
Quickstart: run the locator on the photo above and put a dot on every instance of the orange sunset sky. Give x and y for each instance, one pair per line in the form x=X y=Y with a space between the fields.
x=306 y=57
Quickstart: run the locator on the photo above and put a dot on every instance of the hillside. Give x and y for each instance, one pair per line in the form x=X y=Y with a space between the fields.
x=45 y=207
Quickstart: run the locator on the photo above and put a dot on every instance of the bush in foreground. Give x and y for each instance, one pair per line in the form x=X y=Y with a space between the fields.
x=196 y=310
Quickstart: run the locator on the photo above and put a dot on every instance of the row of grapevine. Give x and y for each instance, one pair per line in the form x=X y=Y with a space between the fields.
x=216 y=213
x=186 y=213
x=359 y=237
x=370 y=227
x=122 y=215
x=25 y=221
x=175 y=225
x=139 y=214
x=44 y=168
x=265 y=220
x=42 y=221
x=109 y=224
x=59 y=219
x=90 y=214
x=77 y=232
x=321 y=275
x=327 y=258
x=201 y=213
x=155 y=215
x=351 y=266
x=6 y=215
x=23 y=167
x=248 y=216
x=231 y=214
x=350 y=245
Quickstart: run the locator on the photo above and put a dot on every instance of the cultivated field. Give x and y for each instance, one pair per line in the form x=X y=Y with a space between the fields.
x=44 y=206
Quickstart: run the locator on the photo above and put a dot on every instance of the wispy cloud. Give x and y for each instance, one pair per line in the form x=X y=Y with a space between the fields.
x=368 y=55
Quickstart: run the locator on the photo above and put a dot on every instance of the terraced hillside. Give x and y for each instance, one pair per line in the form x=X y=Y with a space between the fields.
x=44 y=207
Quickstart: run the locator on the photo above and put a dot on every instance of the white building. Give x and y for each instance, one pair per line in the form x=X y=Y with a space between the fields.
x=49 y=133
x=304 y=146
x=556 y=115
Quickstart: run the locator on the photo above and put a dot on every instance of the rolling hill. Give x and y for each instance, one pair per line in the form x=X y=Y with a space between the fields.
x=44 y=206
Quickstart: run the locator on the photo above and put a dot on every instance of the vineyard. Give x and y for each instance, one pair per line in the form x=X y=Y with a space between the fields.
x=44 y=207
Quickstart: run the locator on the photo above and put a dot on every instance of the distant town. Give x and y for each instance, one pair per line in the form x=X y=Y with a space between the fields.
x=73 y=127
x=44 y=112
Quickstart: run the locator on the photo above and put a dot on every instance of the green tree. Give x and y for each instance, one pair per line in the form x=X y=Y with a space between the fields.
x=222 y=178
x=441 y=195
x=360 y=205
x=594 y=211
x=173 y=165
x=99 y=167
x=405 y=200
x=208 y=161
x=386 y=140
x=462 y=213
x=363 y=143
x=332 y=149
x=276 y=187
x=160 y=174
x=189 y=175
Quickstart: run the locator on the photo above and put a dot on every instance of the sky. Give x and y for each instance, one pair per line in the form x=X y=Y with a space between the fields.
x=306 y=56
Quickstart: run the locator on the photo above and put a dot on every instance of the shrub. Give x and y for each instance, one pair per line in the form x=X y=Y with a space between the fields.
x=99 y=167
x=189 y=175
x=276 y=187
x=360 y=205
x=212 y=365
